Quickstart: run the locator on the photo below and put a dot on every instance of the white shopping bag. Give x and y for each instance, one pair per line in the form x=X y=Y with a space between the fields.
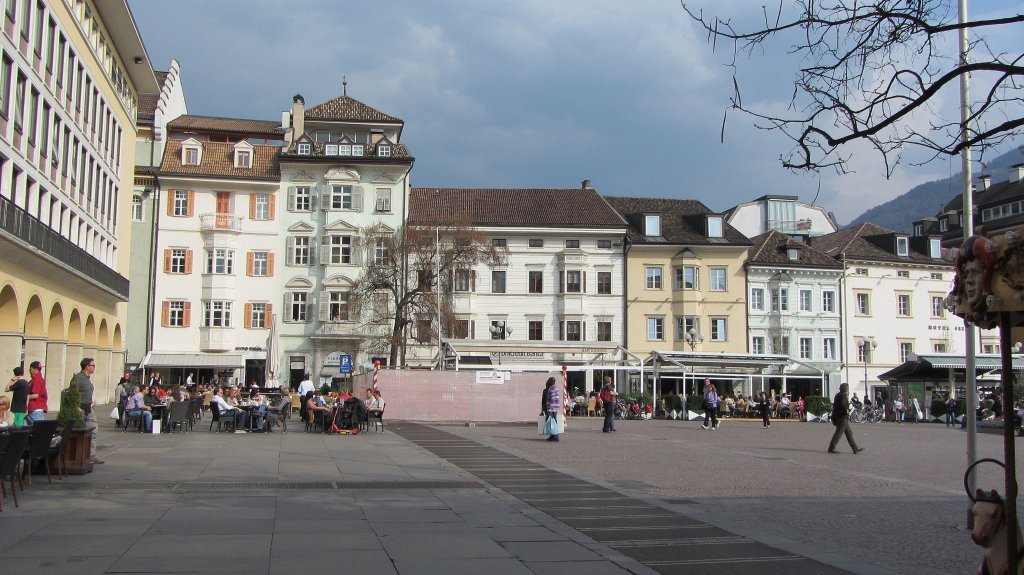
x=560 y=418
x=156 y=426
x=541 y=420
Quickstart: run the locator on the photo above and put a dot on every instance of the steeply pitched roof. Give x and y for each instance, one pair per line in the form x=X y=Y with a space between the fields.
x=868 y=242
x=770 y=250
x=557 y=208
x=346 y=108
x=218 y=162
x=682 y=222
x=148 y=102
x=232 y=125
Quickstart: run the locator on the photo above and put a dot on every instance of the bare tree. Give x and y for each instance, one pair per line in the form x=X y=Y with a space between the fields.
x=872 y=71
x=401 y=283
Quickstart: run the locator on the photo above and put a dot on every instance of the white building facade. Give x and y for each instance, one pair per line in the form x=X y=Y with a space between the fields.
x=785 y=214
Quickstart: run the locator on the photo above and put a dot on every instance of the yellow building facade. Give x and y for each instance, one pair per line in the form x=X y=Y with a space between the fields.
x=70 y=78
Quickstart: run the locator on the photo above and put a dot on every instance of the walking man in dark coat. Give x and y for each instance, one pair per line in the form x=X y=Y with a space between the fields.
x=841 y=419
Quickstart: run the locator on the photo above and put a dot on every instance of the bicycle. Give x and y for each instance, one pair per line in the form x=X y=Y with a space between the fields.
x=857 y=415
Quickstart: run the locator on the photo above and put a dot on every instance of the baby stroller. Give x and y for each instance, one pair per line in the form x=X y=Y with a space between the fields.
x=346 y=419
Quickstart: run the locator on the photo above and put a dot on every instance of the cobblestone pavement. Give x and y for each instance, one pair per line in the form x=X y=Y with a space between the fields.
x=898 y=507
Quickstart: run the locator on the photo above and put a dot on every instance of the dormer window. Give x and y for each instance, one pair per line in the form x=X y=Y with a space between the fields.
x=902 y=246
x=344 y=150
x=303 y=148
x=918 y=229
x=652 y=225
x=357 y=149
x=715 y=227
x=935 y=248
x=331 y=150
x=383 y=151
x=793 y=254
x=191 y=152
x=943 y=225
x=243 y=154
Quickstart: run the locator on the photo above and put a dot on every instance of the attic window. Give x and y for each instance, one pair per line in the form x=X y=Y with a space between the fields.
x=243 y=159
x=902 y=246
x=344 y=150
x=715 y=228
x=357 y=150
x=652 y=225
x=303 y=149
x=190 y=155
x=793 y=254
x=943 y=225
x=934 y=248
x=383 y=151
x=331 y=150
x=918 y=230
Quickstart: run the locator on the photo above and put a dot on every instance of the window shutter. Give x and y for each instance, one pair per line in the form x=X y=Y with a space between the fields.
x=583 y=286
x=287 y=306
x=247 y=319
x=291 y=198
x=325 y=197
x=313 y=198
x=472 y=280
x=309 y=312
x=191 y=203
x=472 y=329
x=270 y=264
x=325 y=247
x=271 y=204
x=289 y=251
x=167 y=261
x=187 y=320
x=583 y=329
x=252 y=206
x=165 y=314
x=357 y=251
x=188 y=261
x=170 y=202
x=357 y=198
x=249 y=257
x=268 y=317
x=561 y=282
x=325 y=306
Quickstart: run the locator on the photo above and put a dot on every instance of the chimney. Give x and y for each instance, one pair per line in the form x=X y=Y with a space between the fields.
x=586 y=185
x=298 y=116
x=986 y=181
x=1016 y=173
x=376 y=135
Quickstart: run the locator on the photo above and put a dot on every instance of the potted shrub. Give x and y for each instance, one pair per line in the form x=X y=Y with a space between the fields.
x=79 y=439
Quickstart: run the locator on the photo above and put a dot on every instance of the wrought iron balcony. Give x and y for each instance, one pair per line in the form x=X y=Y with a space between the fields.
x=27 y=229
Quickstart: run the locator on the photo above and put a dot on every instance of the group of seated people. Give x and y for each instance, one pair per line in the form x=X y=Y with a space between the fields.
x=139 y=400
x=253 y=408
x=346 y=413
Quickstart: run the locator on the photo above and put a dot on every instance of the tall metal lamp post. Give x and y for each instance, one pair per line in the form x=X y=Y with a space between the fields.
x=867 y=346
x=692 y=338
x=499 y=330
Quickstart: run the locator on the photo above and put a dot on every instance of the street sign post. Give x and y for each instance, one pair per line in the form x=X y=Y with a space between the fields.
x=345 y=363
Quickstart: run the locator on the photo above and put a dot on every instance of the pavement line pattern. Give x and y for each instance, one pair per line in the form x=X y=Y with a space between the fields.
x=660 y=539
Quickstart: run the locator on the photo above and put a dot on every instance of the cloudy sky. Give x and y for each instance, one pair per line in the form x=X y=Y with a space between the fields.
x=531 y=93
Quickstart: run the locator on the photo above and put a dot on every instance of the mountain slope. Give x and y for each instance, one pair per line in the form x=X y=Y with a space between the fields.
x=928 y=198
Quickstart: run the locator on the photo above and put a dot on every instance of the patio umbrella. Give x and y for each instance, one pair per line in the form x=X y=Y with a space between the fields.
x=273 y=366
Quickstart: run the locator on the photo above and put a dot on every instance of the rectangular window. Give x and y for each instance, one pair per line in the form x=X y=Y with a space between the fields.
x=861 y=271
x=653 y=274
x=652 y=225
x=757 y=299
x=902 y=246
x=303 y=149
x=757 y=345
x=341 y=198
x=604 y=331
x=574 y=331
x=903 y=305
x=176 y=313
x=938 y=307
x=244 y=158
x=717 y=276
x=937 y=276
x=863 y=304
x=383 y=200
x=497 y=281
x=220 y=261
x=499 y=243
x=718 y=332
x=906 y=348
x=690 y=322
x=828 y=348
x=178 y=261
x=688 y=277
x=498 y=330
x=191 y=156
x=339 y=249
x=939 y=347
x=780 y=299
x=535 y=330
x=460 y=329
x=261 y=209
x=536 y=243
x=536 y=282
x=303 y=199
x=828 y=301
x=136 y=208
x=260 y=264
x=6 y=67
x=572 y=244
x=805 y=348
x=300 y=250
x=655 y=329
x=337 y=306
x=464 y=280
x=217 y=313
x=181 y=203
x=330 y=149
x=604 y=282
x=715 y=227
x=604 y=244
x=805 y=300
x=573 y=281
x=381 y=251
x=258 y=315
x=424 y=330
x=19 y=101
x=298 y=306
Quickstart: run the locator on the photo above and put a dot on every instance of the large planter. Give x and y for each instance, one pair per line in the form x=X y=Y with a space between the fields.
x=79 y=460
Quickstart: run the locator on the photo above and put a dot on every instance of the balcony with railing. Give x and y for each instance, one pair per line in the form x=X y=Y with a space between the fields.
x=790 y=226
x=21 y=227
x=220 y=223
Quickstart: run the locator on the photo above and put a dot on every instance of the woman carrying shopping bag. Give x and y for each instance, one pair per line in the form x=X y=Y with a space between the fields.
x=551 y=405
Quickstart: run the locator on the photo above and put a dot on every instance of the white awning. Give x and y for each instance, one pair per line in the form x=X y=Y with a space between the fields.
x=193 y=360
x=954 y=361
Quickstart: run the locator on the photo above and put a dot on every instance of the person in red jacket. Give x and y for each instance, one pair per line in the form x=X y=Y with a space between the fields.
x=37 y=398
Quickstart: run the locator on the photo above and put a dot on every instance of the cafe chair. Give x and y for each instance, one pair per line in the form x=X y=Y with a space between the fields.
x=226 y=421
x=9 y=464
x=178 y=415
x=375 y=419
x=39 y=448
x=57 y=452
x=130 y=420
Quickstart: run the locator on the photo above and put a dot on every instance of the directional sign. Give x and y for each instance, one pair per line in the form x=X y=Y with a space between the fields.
x=345 y=362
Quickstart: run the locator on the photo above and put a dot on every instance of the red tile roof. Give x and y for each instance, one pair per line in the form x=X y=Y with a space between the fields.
x=218 y=162
x=233 y=125
x=574 y=207
x=346 y=108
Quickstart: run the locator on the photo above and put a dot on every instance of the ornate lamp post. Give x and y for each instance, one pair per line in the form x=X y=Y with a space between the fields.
x=867 y=346
x=693 y=337
x=499 y=330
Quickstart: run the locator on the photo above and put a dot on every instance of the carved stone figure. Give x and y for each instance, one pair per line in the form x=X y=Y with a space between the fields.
x=990 y=533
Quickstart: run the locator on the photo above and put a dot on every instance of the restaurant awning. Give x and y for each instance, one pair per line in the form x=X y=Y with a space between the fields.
x=749 y=361
x=937 y=366
x=193 y=360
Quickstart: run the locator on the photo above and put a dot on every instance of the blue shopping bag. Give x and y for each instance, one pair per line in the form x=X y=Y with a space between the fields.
x=551 y=425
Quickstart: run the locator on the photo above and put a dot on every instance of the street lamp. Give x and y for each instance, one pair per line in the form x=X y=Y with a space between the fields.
x=866 y=347
x=693 y=337
x=499 y=329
